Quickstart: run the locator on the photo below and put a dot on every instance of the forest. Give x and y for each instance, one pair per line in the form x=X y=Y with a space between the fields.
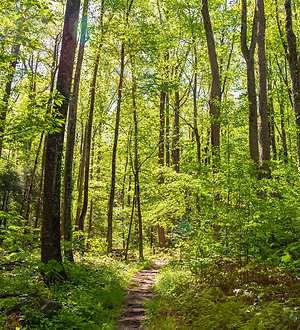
x=149 y=149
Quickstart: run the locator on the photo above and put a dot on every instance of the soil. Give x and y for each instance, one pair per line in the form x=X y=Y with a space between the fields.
x=139 y=291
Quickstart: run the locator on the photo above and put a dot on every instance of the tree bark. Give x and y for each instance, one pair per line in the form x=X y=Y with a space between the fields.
x=176 y=128
x=114 y=153
x=262 y=91
x=161 y=141
x=33 y=174
x=137 y=165
x=7 y=91
x=283 y=131
x=294 y=65
x=271 y=113
x=80 y=179
x=70 y=144
x=195 y=108
x=89 y=128
x=215 y=92
x=248 y=53
x=168 y=156
x=50 y=236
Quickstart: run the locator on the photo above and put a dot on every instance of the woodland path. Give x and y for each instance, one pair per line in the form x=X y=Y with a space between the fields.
x=139 y=291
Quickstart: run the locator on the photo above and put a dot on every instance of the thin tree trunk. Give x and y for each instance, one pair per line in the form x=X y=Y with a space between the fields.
x=294 y=65
x=114 y=153
x=33 y=174
x=161 y=156
x=50 y=238
x=70 y=144
x=248 y=53
x=53 y=71
x=175 y=140
x=137 y=166
x=80 y=179
x=161 y=144
x=123 y=188
x=90 y=218
x=40 y=191
x=115 y=143
x=215 y=92
x=195 y=108
x=88 y=151
x=7 y=91
x=271 y=112
x=283 y=131
x=168 y=129
x=130 y=227
x=262 y=91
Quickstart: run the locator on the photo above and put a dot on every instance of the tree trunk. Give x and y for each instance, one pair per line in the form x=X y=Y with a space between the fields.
x=130 y=227
x=167 y=129
x=80 y=180
x=88 y=149
x=294 y=65
x=33 y=174
x=50 y=237
x=271 y=112
x=137 y=166
x=248 y=53
x=175 y=140
x=114 y=153
x=7 y=91
x=70 y=144
x=123 y=188
x=262 y=91
x=215 y=92
x=195 y=108
x=283 y=131
x=161 y=145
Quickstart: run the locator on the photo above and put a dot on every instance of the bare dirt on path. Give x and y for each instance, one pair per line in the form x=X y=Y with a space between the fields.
x=139 y=291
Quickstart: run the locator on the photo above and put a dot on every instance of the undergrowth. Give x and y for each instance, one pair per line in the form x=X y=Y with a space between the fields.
x=225 y=297
x=91 y=297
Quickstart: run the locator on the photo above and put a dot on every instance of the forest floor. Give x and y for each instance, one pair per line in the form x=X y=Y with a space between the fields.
x=139 y=291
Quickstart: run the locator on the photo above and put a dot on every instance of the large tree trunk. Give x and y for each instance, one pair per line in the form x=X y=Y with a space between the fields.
x=50 y=237
x=215 y=92
x=262 y=91
x=70 y=144
x=248 y=53
x=294 y=64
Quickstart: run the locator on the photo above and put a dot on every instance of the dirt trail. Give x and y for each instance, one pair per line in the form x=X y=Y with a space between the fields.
x=139 y=291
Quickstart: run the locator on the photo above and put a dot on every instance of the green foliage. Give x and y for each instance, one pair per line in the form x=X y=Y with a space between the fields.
x=187 y=301
x=90 y=298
